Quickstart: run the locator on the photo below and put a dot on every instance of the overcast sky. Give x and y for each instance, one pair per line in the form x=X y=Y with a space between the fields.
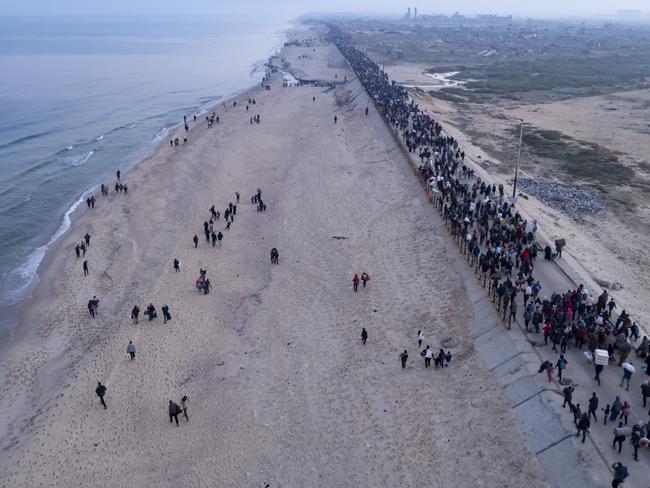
x=292 y=8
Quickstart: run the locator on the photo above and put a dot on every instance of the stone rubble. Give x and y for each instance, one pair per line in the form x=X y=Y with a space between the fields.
x=572 y=201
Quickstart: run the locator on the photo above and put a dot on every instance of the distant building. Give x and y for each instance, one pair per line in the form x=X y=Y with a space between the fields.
x=629 y=14
x=415 y=13
x=407 y=15
x=495 y=18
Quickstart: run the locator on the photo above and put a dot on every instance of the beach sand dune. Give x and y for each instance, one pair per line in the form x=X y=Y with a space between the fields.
x=281 y=389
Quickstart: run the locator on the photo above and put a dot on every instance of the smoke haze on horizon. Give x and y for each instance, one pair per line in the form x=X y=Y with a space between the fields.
x=292 y=8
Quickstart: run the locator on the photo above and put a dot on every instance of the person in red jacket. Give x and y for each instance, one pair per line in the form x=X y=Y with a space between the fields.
x=355 y=282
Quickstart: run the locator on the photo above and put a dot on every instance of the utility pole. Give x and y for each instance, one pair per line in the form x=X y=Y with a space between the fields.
x=521 y=135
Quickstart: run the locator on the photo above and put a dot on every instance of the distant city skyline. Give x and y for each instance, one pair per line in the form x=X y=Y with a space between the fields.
x=291 y=8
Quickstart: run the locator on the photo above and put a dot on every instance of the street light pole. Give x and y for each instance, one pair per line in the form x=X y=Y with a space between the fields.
x=521 y=134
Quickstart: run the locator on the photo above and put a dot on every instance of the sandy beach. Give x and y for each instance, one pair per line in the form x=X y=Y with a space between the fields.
x=281 y=389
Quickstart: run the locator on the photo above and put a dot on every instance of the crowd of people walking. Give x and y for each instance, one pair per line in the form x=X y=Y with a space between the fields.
x=501 y=245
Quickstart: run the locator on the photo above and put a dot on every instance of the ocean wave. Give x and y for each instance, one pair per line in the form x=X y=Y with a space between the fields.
x=160 y=134
x=26 y=138
x=77 y=159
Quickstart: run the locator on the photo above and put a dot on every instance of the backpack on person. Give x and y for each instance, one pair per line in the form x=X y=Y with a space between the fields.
x=544 y=366
x=621 y=472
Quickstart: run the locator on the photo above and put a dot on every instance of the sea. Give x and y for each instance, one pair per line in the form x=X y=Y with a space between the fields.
x=81 y=98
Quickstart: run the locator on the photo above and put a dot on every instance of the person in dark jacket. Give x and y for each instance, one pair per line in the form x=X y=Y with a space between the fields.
x=568 y=395
x=593 y=406
x=620 y=473
x=135 y=313
x=403 y=358
x=583 y=426
x=185 y=405
x=645 y=391
x=174 y=410
x=101 y=391
x=166 y=315
x=364 y=336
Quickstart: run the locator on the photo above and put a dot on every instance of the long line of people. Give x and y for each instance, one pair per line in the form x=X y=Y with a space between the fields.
x=501 y=243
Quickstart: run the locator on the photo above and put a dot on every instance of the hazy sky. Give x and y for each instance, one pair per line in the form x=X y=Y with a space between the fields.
x=290 y=8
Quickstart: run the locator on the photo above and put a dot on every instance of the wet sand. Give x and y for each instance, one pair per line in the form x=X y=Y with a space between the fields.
x=281 y=389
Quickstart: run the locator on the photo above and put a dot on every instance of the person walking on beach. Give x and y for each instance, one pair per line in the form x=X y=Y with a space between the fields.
x=118 y=174
x=365 y=277
x=87 y=239
x=196 y=240
x=428 y=355
x=101 y=391
x=336 y=119
x=151 y=312
x=135 y=313
x=185 y=405
x=420 y=338
x=85 y=267
x=166 y=314
x=177 y=265
x=403 y=357
x=130 y=350
x=355 y=282
x=364 y=336
x=174 y=410
x=440 y=359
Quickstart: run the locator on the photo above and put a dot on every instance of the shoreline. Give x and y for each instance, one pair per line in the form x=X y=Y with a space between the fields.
x=28 y=311
x=14 y=309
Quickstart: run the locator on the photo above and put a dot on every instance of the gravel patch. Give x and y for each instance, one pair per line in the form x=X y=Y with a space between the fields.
x=570 y=200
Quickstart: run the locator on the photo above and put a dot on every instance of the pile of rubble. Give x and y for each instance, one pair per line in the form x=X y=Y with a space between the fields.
x=572 y=201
